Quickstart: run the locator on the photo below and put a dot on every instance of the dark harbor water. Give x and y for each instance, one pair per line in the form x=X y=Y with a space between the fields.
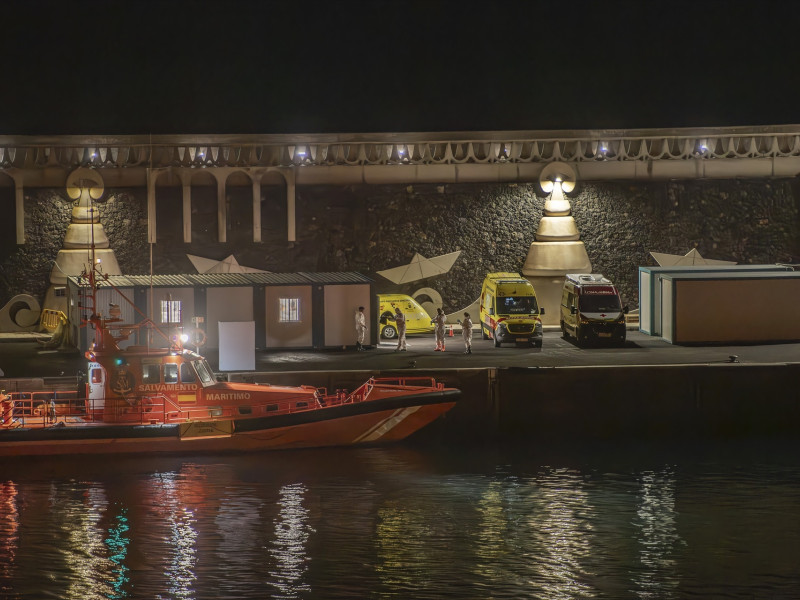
x=719 y=520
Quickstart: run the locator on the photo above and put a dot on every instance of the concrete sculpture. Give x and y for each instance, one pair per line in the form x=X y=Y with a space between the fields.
x=84 y=186
x=226 y=265
x=557 y=249
x=421 y=268
x=692 y=257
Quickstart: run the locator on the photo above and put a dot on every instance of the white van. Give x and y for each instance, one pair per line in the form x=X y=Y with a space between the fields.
x=591 y=309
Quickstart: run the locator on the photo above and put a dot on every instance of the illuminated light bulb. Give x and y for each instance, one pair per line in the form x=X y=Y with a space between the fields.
x=184 y=338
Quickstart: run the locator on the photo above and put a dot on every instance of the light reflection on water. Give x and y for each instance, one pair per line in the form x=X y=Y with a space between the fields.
x=288 y=549
x=561 y=528
x=656 y=522
x=175 y=495
x=395 y=523
x=9 y=534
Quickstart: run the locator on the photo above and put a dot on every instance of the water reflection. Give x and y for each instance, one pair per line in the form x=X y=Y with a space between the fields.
x=76 y=512
x=117 y=543
x=182 y=536
x=394 y=525
x=491 y=541
x=561 y=524
x=288 y=549
x=656 y=522
x=9 y=533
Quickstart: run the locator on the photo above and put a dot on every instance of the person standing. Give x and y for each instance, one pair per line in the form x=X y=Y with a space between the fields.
x=439 y=320
x=400 y=322
x=466 y=331
x=361 y=328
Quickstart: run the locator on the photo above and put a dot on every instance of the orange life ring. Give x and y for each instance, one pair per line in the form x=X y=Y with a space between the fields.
x=198 y=337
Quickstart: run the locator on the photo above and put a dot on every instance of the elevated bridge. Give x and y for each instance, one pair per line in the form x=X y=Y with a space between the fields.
x=387 y=158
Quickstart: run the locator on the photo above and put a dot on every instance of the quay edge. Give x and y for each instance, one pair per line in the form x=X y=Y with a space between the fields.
x=574 y=404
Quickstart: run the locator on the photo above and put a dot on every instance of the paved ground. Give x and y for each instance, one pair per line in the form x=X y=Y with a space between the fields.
x=20 y=357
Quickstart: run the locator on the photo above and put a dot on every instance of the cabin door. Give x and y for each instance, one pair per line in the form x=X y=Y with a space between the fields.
x=97 y=388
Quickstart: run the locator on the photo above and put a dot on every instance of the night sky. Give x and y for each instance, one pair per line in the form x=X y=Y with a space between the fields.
x=340 y=66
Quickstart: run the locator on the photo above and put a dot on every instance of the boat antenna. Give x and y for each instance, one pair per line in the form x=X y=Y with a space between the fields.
x=150 y=311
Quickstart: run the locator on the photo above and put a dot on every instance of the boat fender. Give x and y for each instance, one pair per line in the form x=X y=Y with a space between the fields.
x=198 y=337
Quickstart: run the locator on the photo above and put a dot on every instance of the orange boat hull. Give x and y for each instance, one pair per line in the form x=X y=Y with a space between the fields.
x=374 y=427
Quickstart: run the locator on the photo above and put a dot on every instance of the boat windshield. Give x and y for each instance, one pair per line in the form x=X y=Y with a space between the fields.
x=601 y=303
x=204 y=371
x=516 y=305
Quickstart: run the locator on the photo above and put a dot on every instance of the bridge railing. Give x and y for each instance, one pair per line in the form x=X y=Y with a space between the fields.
x=399 y=148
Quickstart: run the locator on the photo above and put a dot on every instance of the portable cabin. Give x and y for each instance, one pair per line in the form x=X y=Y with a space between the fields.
x=731 y=307
x=650 y=288
x=288 y=310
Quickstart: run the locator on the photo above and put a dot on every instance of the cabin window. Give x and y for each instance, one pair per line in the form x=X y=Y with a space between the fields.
x=204 y=371
x=60 y=292
x=187 y=373
x=151 y=373
x=97 y=375
x=289 y=310
x=170 y=311
x=245 y=410
x=170 y=373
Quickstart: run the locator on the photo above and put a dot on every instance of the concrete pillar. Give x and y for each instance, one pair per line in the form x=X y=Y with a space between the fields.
x=290 y=206
x=187 y=209
x=19 y=200
x=151 y=206
x=222 y=213
x=256 y=208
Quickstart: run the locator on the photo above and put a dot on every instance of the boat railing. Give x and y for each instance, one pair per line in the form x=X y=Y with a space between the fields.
x=65 y=407
x=416 y=381
x=19 y=409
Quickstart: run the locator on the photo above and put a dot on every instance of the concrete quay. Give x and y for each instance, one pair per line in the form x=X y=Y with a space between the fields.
x=647 y=389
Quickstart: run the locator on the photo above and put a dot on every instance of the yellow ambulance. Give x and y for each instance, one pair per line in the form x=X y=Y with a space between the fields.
x=417 y=318
x=509 y=311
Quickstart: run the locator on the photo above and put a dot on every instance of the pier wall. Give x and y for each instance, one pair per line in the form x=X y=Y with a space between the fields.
x=601 y=403
x=368 y=228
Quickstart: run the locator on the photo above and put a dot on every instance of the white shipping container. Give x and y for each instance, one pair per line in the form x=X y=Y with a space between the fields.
x=700 y=308
x=650 y=282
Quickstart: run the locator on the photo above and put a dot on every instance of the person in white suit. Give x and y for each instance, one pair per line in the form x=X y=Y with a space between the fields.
x=439 y=320
x=361 y=328
x=400 y=321
x=466 y=331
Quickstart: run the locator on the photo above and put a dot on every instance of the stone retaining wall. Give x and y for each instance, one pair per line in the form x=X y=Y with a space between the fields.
x=369 y=228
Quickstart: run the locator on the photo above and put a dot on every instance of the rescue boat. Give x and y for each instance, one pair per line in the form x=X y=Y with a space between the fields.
x=163 y=398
